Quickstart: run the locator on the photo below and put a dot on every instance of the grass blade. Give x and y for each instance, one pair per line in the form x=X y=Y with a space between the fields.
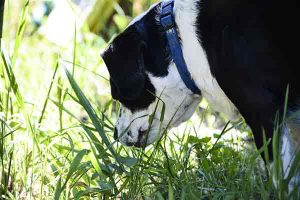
x=20 y=31
x=15 y=88
x=73 y=167
x=93 y=116
x=48 y=95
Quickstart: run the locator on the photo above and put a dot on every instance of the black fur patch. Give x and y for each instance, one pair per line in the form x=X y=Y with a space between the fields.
x=251 y=48
x=131 y=56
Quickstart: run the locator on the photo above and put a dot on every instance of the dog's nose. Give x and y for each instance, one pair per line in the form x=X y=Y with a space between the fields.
x=142 y=133
x=141 y=138
x=116 y=134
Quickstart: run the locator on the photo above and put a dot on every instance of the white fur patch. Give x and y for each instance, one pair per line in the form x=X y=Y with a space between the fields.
x=287 y=155
x=186 y=12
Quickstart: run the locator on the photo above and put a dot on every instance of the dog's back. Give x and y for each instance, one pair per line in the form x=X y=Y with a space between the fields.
x=252 y=50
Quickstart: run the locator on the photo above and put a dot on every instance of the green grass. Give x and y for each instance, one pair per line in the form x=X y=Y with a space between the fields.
x=47 y=150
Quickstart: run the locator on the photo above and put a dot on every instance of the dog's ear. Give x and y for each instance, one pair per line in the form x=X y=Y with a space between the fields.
x=125 y=62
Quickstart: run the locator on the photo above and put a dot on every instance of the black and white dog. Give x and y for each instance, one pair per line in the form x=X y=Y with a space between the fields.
x=241 y=54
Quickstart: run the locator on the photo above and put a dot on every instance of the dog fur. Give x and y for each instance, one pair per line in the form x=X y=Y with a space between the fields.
x=242 y=55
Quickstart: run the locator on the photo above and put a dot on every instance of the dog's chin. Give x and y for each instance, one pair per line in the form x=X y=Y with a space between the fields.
x=152 y=137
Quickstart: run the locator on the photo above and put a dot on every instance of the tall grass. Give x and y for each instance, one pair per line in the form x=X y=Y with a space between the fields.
x=56 y=138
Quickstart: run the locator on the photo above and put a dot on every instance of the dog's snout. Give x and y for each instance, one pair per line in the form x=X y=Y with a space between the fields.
x=116 y=134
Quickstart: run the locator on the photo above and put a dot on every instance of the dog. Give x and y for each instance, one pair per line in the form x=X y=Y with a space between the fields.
x=241 y=55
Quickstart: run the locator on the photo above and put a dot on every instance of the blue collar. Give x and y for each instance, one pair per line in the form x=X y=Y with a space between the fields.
x=167 y=21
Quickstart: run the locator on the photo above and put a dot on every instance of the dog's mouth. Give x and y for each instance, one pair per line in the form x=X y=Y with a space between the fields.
x=145 y=138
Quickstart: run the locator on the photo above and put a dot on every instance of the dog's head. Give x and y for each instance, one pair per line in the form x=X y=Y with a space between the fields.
x=146 y=82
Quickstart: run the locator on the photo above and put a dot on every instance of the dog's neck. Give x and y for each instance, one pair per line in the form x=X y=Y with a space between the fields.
x=195 y=57
x=185 y=17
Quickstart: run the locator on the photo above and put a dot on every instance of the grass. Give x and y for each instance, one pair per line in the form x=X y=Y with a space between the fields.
x=56 y=137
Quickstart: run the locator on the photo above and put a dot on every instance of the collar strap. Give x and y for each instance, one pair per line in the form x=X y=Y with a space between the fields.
x=167 y=21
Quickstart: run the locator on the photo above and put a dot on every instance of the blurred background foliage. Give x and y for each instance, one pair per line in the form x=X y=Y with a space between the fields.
x=101 y=17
